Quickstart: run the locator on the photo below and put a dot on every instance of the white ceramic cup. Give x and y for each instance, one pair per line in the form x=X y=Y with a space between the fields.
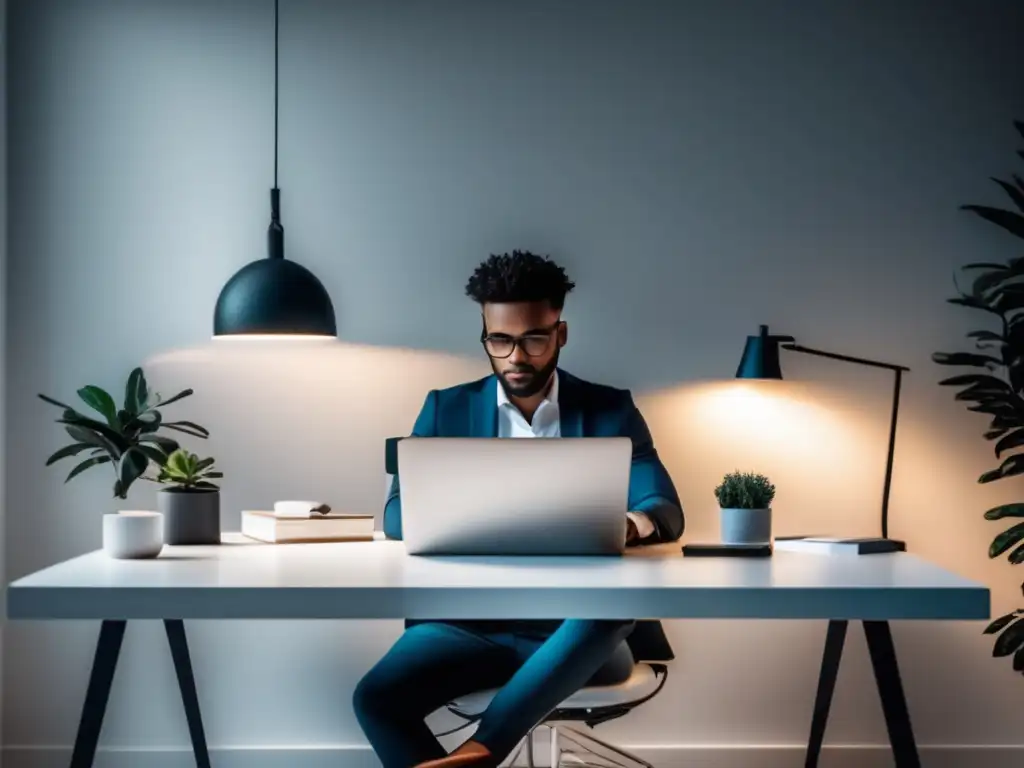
x=133 y=534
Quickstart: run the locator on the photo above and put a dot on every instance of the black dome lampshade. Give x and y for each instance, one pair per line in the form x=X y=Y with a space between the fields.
x=274 y=296
x=761 y=356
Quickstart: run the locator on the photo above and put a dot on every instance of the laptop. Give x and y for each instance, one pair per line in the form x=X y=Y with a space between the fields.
x=514 y=496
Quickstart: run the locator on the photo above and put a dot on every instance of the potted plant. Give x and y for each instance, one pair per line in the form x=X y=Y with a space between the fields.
x=191 y=502
x=745 y=508
x=996 y=389
x=128 y=440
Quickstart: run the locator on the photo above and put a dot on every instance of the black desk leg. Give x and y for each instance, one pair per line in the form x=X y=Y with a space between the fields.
x=890 y=690
x=108 y=648
x=830 y=659
x=187 y=683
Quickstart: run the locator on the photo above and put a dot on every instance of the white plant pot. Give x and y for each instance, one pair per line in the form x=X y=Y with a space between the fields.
x=133 y=534
x=746 y=526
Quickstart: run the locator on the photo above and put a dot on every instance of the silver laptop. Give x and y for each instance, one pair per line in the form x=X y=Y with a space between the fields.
x=514 y=496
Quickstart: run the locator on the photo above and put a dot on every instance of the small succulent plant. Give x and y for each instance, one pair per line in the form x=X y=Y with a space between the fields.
x=745 y=490
x=185 y=471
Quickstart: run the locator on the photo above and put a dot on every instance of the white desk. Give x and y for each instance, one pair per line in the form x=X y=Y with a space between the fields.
x=377 y=580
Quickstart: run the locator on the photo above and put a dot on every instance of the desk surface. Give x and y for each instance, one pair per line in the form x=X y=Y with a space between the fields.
x=242 y=579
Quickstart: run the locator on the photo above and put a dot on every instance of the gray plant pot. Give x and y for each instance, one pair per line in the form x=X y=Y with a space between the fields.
x=190 y=517
x=746 y=526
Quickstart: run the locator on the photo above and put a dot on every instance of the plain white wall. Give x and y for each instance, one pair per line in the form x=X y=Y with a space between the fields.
x=698 y=167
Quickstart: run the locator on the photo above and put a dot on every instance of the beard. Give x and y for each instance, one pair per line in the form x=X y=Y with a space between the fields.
x=539 y=377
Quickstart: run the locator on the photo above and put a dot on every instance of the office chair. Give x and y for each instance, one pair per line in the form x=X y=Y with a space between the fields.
x=590 y=706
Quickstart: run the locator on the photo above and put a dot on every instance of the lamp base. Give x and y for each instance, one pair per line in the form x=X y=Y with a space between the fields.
x=882 y=545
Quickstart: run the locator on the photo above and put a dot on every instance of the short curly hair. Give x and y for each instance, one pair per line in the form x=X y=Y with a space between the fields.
x=519 y=276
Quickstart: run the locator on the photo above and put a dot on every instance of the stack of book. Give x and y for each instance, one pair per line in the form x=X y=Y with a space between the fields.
x=304 y=521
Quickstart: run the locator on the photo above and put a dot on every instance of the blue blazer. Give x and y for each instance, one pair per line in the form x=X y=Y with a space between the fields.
x=585 y=410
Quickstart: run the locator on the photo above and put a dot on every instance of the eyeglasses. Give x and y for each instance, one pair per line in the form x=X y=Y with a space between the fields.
x=533 y=344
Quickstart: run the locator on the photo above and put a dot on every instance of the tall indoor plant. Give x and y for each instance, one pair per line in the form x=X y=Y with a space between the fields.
x=997 y=388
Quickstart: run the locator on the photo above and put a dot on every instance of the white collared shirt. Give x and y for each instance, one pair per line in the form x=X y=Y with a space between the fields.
x=546 y=423
x=546 y=420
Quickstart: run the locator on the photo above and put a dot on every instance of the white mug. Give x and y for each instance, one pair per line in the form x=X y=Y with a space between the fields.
x=133 y=534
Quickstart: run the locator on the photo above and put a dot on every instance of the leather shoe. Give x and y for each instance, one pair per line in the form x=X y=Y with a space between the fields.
x=469 y=755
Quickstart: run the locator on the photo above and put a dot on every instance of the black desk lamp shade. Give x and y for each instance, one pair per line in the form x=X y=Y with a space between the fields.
x=274 y=296
x=761 y=361
x=761 y=356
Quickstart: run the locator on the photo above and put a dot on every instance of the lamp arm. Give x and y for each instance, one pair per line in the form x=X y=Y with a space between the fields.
x=898 y=371
x=844 y=358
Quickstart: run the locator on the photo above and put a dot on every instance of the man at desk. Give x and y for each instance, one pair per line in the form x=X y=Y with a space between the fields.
x=536 y=664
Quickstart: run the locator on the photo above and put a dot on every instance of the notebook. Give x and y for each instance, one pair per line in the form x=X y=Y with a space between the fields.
x=871 y=545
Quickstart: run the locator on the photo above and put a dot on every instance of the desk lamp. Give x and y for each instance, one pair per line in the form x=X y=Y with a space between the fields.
x=761 y=361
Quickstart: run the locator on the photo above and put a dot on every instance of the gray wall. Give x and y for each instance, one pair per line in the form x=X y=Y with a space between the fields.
x=3 y=318
x=699 y=167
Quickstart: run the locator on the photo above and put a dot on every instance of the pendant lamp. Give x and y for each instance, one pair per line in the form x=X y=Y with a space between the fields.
x=274 y=296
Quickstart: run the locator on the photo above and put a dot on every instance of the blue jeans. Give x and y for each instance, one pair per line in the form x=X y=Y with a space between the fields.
x=433 y=663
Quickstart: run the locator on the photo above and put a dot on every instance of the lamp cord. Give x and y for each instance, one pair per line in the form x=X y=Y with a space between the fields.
x=275 y=233
x=276 y=3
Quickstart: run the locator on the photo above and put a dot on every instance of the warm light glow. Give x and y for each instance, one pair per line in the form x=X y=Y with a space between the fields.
x=821 y=446
x=780 y=420
x=768 y=410
x=273 y=337
x=301 y=421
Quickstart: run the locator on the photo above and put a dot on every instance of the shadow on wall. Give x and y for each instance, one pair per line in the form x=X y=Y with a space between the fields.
x=307 y=419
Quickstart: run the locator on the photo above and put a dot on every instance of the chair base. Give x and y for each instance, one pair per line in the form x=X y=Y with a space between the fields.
x=572 y=747
x=589 y=707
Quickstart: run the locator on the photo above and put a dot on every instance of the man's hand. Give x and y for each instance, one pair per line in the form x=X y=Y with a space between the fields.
x=632 y=534
x=639 y=527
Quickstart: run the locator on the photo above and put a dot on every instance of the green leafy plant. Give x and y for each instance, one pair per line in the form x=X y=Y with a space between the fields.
x=125 y=437
x=185 y=471
x=997 y=389
x=745 y=490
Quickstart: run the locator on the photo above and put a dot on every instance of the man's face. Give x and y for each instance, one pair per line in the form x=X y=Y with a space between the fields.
x=535 y=326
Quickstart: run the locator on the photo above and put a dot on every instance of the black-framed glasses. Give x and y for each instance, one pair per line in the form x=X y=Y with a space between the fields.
x=533 y=344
